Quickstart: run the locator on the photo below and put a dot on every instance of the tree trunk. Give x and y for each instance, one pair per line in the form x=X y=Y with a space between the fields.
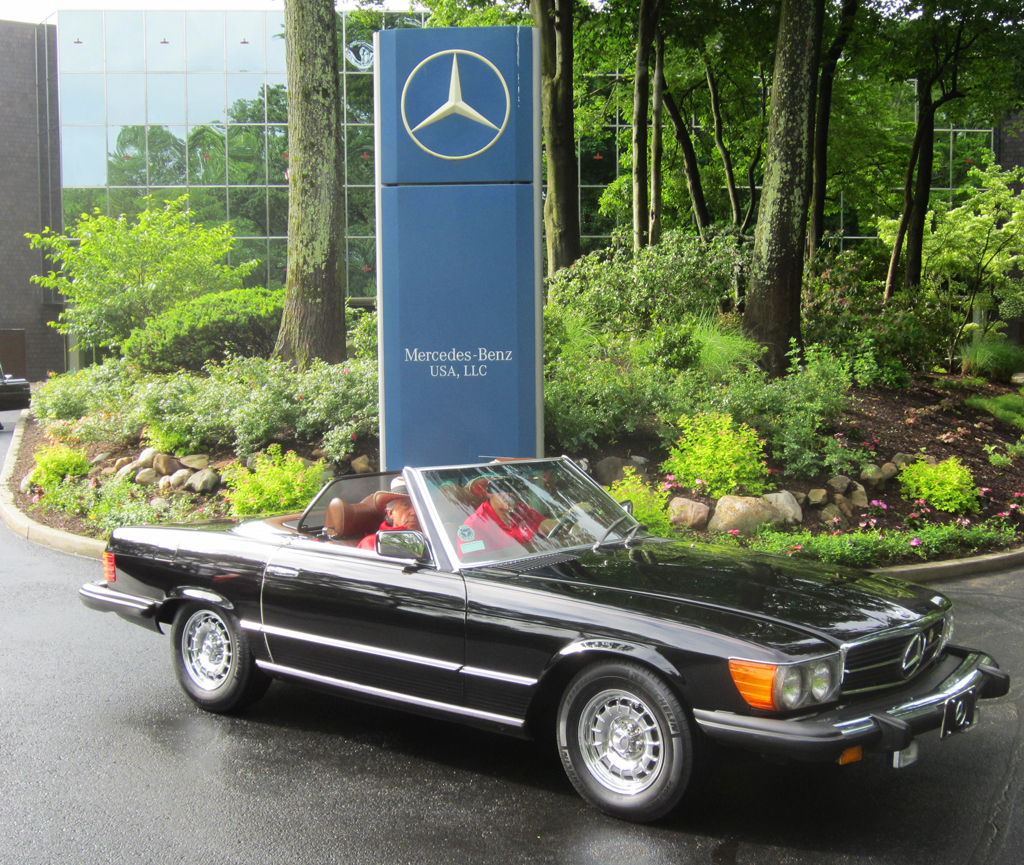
x=922 y=193
x=723 y=151
x=772 y=313
x=691 y=168
x=824 y=113
x=646 y=24
x=656 y=137
x=313 y=324
x=554 y=20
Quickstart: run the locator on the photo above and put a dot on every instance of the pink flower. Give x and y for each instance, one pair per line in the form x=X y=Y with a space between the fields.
x=796 y=547
x=734 y=532
x=670 y=477
x=915 y=542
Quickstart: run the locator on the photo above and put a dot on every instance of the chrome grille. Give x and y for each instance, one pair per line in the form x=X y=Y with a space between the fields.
x=890 y=661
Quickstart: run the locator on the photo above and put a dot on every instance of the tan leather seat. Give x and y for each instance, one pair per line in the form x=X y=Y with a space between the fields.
x=347 y=520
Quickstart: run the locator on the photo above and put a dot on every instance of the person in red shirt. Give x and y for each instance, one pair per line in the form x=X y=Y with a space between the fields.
x=400 y=515
x=501 y=521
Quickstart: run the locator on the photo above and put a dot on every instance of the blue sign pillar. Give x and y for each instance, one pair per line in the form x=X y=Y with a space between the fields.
x=458 y=244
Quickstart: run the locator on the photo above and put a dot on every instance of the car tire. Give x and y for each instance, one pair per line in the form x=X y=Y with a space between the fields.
x=212 y=660
x=626 y=741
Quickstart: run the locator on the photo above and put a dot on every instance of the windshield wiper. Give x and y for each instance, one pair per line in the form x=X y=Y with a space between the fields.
x=633 y=531
x=608 y=531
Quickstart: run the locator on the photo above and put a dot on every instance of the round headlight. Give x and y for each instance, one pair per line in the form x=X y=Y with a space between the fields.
x=791 y=688
x=821 y=680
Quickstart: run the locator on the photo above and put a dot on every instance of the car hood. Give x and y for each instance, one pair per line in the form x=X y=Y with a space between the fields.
x=839 y=604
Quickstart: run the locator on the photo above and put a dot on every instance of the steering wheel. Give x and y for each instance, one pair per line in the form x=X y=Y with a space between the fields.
x=567 y=521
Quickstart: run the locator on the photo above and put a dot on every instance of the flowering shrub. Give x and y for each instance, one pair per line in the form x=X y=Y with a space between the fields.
x=54 y=464
x=726 y=457
x=947 y=486
x=648 y=504
x=280 y=483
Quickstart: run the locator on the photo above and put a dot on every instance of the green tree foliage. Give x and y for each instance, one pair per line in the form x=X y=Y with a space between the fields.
x=118 y=272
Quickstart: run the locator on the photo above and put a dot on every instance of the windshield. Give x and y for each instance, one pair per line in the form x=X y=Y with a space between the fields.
x=504 y=511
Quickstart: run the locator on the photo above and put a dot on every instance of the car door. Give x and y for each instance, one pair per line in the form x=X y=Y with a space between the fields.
x=359 y=622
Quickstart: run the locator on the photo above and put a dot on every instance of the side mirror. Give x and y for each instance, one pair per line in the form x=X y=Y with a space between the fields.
x=627 y=506
x=402 y=545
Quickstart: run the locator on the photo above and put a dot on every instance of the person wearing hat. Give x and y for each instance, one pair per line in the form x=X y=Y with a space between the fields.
x=501 y=520
x=399 y=514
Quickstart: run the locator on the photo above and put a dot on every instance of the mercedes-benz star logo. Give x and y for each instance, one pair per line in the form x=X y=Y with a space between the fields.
x=455 y=106
x=912 y=655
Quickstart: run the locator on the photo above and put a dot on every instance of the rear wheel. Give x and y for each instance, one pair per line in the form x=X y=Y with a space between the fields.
x=626 y=741
x=212 y=660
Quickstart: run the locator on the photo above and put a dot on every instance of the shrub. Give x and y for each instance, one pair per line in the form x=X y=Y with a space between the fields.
x=121 y=502
x=648 y=504
x=1008 y=407
x=363 y=336
x=104 y=386
x=243 y=322
x=279 y=484
x=993 y=357
x=718 y=456
x=339 y=403
x=946 y=486
x=55 y=463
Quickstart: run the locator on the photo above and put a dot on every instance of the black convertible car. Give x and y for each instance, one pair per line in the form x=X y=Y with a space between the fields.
x=521 y=597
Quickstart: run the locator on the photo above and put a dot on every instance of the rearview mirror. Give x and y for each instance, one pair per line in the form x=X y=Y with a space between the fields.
x=627 y=506
x=402 y=545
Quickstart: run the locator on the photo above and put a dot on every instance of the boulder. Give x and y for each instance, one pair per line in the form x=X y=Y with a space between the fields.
x=160 y=503
x=688 y=514
x=929 y=459
x=164 y=483
x=203 y=482
x=872 y=477
x=99 y=458
x=177 y=480
x=817 y=498
x=787 y=505
x=744 y=514
x=801 y=498
x=361 y=465
x=147 y=477
x=844 y=506
x=146 y=458
x=839 y=484
x=831 y=515
x=902 y=459
x=26 y=482
x=129 y=469
x=608 y=471
x=121 y=462
x=858 y=496
x=196 y=462
x=165 y=464
x=889 y=471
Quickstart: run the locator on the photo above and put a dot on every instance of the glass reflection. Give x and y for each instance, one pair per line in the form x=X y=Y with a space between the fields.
x=80 y=41
x=244 y=43
x=277 y=154
x=126 y=99
x=359 y=154
x=277 y=209
x=126 y=155
x=78 y=202
x=359 y=99
x=209 y=204
x=81 y=98
x=207 y=155
x=247 y=210
x=245 y=98
x=165 y=41
x=278 y=261
x=166 y=150
x=205 y=98
x=204 y=33
x=247 y=155
x=277 y=99
x=126 y=47
x=361 y=265
x=165 y=98
x=361 y=212
x=83 y=154
x=275 y=42
x=130 y=202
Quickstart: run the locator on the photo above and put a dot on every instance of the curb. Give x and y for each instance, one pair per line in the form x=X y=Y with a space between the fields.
x=29 y=529
x=91 y=548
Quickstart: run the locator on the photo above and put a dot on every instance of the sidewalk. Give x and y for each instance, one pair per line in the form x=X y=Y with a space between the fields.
x=89 y=547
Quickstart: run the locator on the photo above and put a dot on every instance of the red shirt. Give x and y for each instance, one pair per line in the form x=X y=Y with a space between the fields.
x=370 y=541
x=483 y=530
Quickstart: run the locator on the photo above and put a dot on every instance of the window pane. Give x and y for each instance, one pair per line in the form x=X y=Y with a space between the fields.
x=275 y=42
x=210 y=204
x=358 y=98
x=79 y=201
x=278 y=262
x=361 y=268
x=597 y=159
x=591 y=221
x=247 y=210
x=245 y=41
x=205 y=98
x=277 y=153
x=83 y=151
x=247 y=250
x=126 y=155
x=165 y=41
x=126 y=46
x=165 y=97
x=277 y=205
x=277 y=99
x=206 y=155
x=81 y=99
x=204 y=32
x=166 y=146
x=362 y=219
x=127 y=201
x=80 y=41
x=247 y=155
x=165 y=194
x=359 y=154
x=126 y=99
x=245 y=98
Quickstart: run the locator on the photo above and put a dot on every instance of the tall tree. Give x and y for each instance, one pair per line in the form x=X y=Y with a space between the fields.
x=554 y=20
x=647 y=23
x=772 y=314
x=313 y=325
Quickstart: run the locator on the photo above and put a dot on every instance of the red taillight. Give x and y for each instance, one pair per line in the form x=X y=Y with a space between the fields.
x=109 y=571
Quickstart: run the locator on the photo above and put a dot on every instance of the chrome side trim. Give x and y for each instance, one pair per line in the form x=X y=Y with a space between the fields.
x=499 y=677
x=288 y=634
x=391 y=695
x=97 y=592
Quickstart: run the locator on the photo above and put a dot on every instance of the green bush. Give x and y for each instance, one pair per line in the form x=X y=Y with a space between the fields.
x=72 y=395
x=993 y=357
x=1008 y=407
x=281 y=483
x=340 y=403
x=718 y=456
x=121 y=502
x=648 y=504
x=946 y=486
x=363 y=336
x=242 y=321
x=57 y=462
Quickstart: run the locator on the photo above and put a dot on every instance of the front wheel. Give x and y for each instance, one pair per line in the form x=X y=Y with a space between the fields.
x=212 y=660
x=626 y=741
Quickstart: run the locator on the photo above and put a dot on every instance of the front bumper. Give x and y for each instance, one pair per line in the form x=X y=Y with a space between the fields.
x=137 y=610
x=885 y=723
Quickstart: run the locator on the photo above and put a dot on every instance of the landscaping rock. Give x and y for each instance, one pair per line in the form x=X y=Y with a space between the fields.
x=161 y=504
x=126 y=470
x=858 y=496
x=801 y=498
x=250 y=462
x=146 y=458
x=817 y=498
x=872 y=476
x=787 y=505
x=361 y=465
x=839 y=484
x=164 y=483
x=744 y=514
x=26 y=483
x=147 y=477
x=203 y=482
x=902 y=459
x=177 y=480
x=844 y=506
x=165 y=464
x=196 y=462
x=608 y=471
x=122 y=462
x=928 y=458
x=99 y=458
x=688 y=514
x=889 y=471
x=319 y=454
x=830 y=514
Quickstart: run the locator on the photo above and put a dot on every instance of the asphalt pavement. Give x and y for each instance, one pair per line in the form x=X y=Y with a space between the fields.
x=103 y=760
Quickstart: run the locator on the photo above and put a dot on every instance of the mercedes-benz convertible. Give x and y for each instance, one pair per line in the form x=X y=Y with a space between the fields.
x=519 y=596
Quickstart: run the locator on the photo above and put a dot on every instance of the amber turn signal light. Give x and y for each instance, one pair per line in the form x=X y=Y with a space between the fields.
x=109 y=571
x=755 y=682
x=851 y=755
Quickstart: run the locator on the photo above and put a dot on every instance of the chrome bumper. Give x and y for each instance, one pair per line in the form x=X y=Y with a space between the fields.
x=140 y=611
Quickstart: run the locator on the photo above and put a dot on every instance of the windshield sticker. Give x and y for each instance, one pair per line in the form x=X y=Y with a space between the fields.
x=472 y=547
x=466 y=533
